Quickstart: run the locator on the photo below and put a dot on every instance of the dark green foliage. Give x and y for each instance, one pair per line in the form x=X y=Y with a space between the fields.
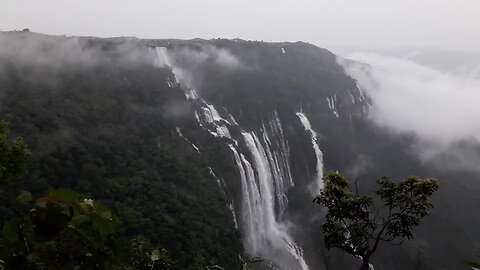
x=143 y=256
x=474 y=264
x=13 y=156
x=62 y=231
x=355 y=226
x=407 y=201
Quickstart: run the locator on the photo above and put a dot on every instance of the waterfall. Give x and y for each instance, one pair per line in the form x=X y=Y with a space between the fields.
x=246 y=175
x=220 y=181
x=180 y=134
x=162 y=58
x=265 y=180
x=270 y=237
x=318 y=184
x=278 y=156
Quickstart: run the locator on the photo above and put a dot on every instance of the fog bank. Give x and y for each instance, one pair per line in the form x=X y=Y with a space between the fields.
x=441 y=108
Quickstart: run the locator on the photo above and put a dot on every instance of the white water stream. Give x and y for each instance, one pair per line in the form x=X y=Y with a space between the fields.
x=318 y=184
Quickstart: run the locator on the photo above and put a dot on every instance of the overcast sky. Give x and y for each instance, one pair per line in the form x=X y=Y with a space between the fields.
x=443 y=24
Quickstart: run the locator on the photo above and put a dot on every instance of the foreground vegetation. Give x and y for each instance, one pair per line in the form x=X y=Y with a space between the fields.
x=63 y=230
x=355 y=226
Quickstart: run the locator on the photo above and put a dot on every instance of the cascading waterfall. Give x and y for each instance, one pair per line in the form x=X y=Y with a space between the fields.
x=264 y=182
x=271 y=238
x=264 y=187
x=279 y=161
x=162 y=58
x=318 y=183
x=248 y=225
x=212 y=116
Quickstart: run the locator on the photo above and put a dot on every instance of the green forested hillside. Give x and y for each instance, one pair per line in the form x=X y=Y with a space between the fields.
x=108 y=131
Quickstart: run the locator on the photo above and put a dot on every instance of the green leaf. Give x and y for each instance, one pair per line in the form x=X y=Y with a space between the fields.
x=80 y=219
x=41 y=205
x=11 y=230
x=103 y=211
x=104 y=226
x=49 y=216
x=155 y=255
x=25 y=197
x=65 y=194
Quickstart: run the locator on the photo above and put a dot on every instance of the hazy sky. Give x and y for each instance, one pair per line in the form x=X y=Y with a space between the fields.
x=328 y=23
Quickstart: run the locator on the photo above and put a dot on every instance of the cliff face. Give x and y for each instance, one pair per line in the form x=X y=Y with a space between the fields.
x=216 y=148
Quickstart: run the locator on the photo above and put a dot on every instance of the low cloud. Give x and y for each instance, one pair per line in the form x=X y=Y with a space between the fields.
x=360 y=165
x=204 y=54
x=45 y=61
x=190 y=64
x=441 y=108
x=39 y=52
